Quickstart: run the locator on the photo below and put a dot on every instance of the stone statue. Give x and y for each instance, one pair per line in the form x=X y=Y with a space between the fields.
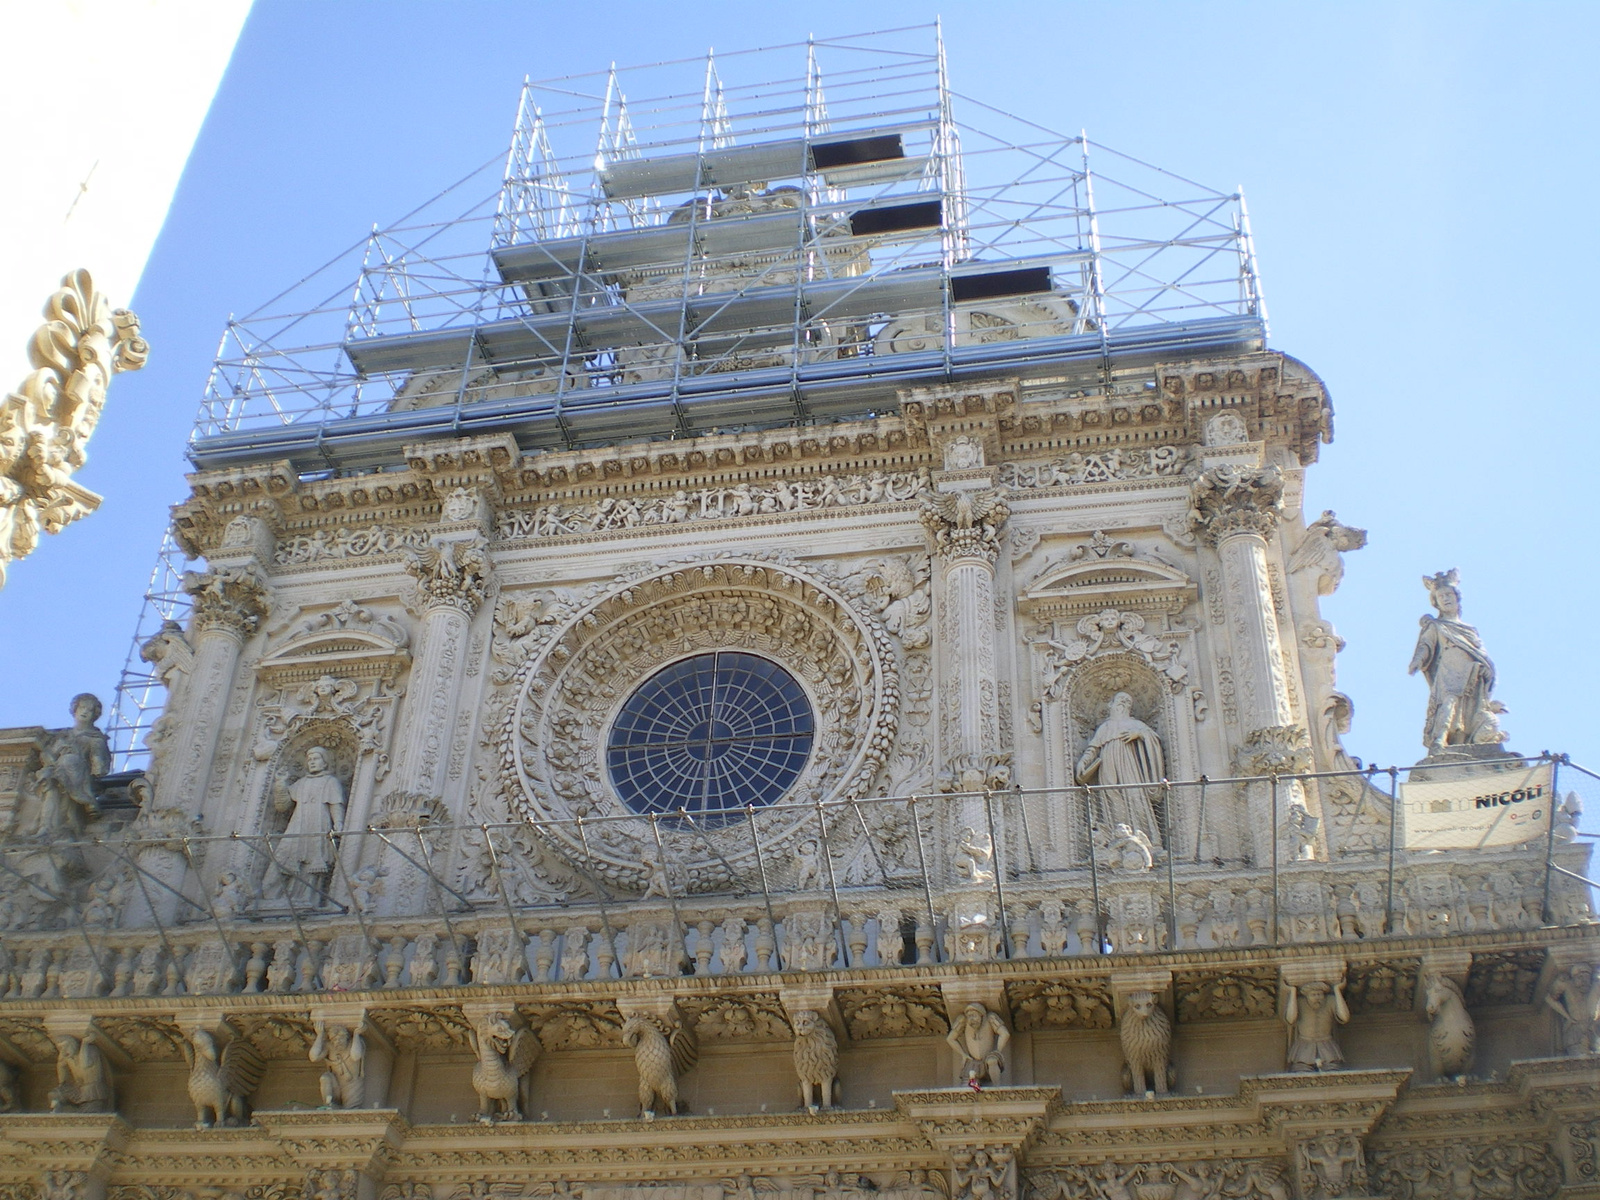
x=979 y=1038
x=1129 y=849
x=70 y=760
x=505 y=1061
x=1450 y=655
x=344 y=1081
x=1145 y=1031
x=973 y=856
x=1451 y=1035
x=1123 y=751
x=1575 y=999
x=816 y=1060
x=83 y=1077
x=316 y=805
x=1312 y=1010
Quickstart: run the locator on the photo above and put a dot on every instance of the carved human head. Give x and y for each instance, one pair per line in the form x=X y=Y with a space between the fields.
x=317 y=760
x=974 y=1015
x=1444 y=592
x=86 y=708
x=1122 y=705
x=1314 y=993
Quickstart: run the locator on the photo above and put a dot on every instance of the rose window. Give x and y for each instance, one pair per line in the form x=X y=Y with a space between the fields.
x=710 y=735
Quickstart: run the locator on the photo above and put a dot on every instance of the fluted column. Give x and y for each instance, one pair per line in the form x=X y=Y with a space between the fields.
x=966 y=528
x=1235 y=508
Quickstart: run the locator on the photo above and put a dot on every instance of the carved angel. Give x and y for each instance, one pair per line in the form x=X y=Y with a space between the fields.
x=661 y=1053
x=505 y=1059
x=221 y=1086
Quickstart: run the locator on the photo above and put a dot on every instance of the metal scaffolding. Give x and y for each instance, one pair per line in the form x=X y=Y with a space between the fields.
x=749 y=240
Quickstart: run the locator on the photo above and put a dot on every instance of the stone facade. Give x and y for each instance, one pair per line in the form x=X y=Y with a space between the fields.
x=1076 y=893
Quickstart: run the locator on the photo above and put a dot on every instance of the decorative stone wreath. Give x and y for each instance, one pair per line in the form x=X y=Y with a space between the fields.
x=568 y=693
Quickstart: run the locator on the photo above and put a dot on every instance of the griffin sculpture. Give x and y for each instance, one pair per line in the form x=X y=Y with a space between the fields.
x=661 y=1054
x=221 y=1085
x=505 y=1058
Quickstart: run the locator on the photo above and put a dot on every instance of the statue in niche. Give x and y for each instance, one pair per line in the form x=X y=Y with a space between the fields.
x=304 y=850
x=1460 y=675
x=1124 y=753
x=71 y=759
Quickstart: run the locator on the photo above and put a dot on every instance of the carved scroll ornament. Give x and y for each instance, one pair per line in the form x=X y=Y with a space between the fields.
x=45 y=424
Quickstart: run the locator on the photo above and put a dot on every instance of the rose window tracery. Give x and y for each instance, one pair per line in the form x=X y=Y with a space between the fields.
x=709 y=736
x=585 y=696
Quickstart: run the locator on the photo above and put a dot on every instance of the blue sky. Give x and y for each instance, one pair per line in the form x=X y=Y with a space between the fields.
x=1421 y=179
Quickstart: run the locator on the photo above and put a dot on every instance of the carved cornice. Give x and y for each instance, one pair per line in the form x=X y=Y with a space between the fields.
x=1228 y=500
x=363 y=1139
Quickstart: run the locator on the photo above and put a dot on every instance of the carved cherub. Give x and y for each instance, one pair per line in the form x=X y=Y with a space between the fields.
x=979 y=1038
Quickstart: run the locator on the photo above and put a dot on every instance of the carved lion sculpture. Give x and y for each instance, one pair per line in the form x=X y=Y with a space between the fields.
x=660 y=1058
x=1146 y=1033
x=1452 y=1039
x=816 y=1060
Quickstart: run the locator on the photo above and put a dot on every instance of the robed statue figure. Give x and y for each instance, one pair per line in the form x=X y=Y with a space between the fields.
x=1125 y=751
x=304 y=851
x=1460 y=676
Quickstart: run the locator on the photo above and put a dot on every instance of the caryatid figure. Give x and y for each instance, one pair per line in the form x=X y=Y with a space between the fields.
x=1460 y=676
x=1125 y=757
x=979 y=1038
x=1312 y=1011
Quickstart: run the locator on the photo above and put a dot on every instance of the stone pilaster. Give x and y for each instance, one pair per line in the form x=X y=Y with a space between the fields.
x=1324 y=1122
x=70 y=1155
x=344 y=1153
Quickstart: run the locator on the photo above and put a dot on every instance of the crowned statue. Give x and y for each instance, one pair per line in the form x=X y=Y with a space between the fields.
x=1124 y=757
x=1462 y=715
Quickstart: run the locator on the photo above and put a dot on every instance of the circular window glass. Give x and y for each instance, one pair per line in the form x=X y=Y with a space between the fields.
x=709 y=735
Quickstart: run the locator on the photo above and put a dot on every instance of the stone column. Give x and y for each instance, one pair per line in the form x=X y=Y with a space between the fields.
x=452 y=576
x=1235 y=509
x=230 y=602
x=965 y=523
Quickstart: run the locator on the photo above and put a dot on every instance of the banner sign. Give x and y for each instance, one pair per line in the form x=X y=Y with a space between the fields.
x=1479 y=811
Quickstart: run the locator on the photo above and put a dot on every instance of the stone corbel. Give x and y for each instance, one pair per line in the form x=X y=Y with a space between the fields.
x=72 y=1154
x=344 y=1152
x=984 y=1135
x=1324 y=1121
x=1565 y=1095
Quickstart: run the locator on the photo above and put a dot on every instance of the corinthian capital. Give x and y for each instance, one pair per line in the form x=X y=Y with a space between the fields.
x=1227 y=499
x=966 y=524
x=229 y=598
x=452 y=574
